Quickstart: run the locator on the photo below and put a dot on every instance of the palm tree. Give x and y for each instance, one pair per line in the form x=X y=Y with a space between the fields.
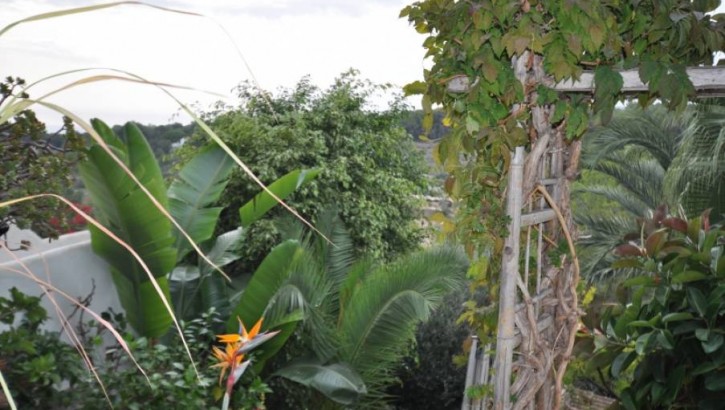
x=643 y=159
x=359 y=316
x=697 y=177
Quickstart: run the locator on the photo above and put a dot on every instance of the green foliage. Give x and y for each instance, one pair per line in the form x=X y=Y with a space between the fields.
x=670 y=328
x=130 y=214
x=35 y=362
x=173 y=382
x=194 y=286
x=162 y=139
x=642 y=159
x=45 y=372
x=428 y=377
x=476 y=42
x=199 y=287
x=414 y=123
x=357 y=149
x=34 y=162
x=359 y=317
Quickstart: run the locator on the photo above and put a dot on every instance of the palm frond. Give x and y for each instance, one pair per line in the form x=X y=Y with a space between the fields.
x=643 y=178
x=629 y=203
x=389 y=303
x=655 y=131
x=697 y=175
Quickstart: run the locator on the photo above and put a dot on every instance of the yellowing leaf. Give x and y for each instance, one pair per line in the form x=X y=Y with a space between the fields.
x=596 y=33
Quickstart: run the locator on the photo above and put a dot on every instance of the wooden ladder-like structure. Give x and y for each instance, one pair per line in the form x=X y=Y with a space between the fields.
x=528 y=306
x=538 y=308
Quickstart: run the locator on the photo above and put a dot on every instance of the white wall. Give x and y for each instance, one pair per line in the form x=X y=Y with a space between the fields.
x=68 y=264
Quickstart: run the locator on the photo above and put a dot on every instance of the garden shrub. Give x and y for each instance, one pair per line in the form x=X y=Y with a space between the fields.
x=669 y=329
x=35 y=363
x=45 y=372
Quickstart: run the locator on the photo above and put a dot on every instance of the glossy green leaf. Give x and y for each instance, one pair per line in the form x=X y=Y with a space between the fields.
x=337 y=381
x=715 y=381
x=622 y=362
x=198 y=185
x=268 y=279
x=688 y=276
x=643 y=343
x=702 y=334
x=638 y=281
x=697 y=300
x=704 y=368
x=283 y=187
x=713 y=343
x=674 y=317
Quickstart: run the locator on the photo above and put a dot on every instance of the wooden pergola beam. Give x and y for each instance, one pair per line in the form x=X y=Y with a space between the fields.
x=707 y=79
x=708 y=82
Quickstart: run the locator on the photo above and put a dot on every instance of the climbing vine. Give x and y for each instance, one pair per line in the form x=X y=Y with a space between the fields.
x=507 y=55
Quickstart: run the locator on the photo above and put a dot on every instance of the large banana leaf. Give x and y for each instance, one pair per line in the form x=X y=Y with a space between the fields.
x=199 y=184
x=132 y=216
x=283 y=187
x=337 y=381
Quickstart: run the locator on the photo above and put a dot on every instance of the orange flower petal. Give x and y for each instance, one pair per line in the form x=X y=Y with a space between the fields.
x=255 y=330
x=229 y=338
x=242 y=330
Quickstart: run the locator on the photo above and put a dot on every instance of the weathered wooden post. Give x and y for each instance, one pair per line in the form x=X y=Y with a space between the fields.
x=509 y=272
x=470 y=373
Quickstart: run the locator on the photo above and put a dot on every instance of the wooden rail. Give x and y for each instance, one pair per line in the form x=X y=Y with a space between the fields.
x=708 y=82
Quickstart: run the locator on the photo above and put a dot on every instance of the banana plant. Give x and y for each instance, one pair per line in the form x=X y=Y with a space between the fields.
x=130 y=214
x=125 y=209
x=199 y=287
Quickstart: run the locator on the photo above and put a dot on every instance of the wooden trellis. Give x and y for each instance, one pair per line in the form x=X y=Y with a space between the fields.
x=538 y=308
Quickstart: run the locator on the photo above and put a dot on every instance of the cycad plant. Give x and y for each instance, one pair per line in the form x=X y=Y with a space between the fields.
x=643 y=159
x=357 y=317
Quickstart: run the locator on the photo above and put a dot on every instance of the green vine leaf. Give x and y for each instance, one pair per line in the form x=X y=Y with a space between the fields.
x=608 y=85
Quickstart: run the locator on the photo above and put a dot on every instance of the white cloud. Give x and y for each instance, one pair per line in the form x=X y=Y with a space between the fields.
x=282 y=41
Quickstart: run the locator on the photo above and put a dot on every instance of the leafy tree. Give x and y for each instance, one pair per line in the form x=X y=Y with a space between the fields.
x=369 y=167
x=642 y=159
x=34 y=162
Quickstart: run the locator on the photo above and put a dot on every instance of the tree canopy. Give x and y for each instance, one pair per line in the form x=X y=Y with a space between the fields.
x=370 y=169
x=34 y=162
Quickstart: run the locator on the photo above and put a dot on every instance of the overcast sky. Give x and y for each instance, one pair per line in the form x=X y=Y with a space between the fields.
x=282 y=40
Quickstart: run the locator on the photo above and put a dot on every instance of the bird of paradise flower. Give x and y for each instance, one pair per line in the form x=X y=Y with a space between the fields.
x=231 y=361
